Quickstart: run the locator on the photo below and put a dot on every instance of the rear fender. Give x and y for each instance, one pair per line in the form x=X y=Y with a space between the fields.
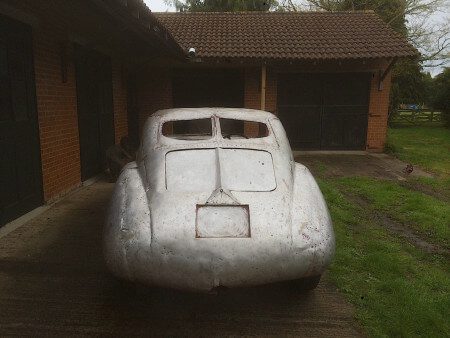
x=128 y=226
x=312 y=228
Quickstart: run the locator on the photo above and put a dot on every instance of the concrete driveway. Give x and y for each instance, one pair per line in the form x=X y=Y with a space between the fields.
x=53 y=282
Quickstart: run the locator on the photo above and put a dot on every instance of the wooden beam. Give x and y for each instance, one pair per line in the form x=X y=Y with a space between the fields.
x=263 y=87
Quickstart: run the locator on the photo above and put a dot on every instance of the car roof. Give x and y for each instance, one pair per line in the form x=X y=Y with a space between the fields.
x=229 y=113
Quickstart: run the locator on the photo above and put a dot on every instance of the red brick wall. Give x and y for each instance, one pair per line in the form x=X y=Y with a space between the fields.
x=52 y=25
x=57 y=111
x=378 y=113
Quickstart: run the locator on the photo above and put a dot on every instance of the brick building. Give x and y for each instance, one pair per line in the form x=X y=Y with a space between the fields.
x=63 y=91
x=76 y=76
x=326 y=75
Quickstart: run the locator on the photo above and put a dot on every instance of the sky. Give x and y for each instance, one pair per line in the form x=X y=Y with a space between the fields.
x=158 y=6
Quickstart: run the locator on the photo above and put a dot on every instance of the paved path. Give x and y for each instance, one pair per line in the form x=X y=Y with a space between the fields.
x=53 y=282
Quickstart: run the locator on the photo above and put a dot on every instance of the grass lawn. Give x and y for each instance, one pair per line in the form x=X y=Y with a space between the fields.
x=425 y=214
x=396 y=287
x=428 y=147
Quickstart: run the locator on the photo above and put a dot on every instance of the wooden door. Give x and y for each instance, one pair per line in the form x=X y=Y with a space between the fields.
x=299 y=108
x=345 y=111
x=324 y=111
x=95 y=109
x=20 y=165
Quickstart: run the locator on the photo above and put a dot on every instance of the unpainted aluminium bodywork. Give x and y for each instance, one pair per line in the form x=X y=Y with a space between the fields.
x=166 y=227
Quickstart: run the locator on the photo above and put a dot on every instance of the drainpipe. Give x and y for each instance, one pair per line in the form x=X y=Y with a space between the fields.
x=263 y=86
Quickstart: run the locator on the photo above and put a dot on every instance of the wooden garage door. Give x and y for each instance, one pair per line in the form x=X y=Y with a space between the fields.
x=208 y=88
x=20 y=166
x=324 y=111
x=95 y=109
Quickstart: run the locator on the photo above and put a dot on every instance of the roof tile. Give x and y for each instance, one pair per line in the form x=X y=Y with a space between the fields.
x=274 y=35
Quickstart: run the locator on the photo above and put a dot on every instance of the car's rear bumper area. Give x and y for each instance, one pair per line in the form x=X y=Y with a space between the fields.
x=206 y=265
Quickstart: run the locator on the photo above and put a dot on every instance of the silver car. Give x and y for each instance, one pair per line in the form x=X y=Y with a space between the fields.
x=215 y=199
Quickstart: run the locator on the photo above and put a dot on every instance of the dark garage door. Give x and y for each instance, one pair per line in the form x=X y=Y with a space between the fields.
x=20 y=166
x=208 y=88
x=324 y=111
x=95 y=109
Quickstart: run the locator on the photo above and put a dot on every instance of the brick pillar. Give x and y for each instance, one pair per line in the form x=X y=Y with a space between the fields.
x=378 y=113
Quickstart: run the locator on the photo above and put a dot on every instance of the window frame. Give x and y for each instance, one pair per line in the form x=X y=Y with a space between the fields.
x=211 y=137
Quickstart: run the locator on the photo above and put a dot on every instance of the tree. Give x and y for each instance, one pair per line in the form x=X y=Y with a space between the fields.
x=441 y=97
x=408 y=85
x=223 y=5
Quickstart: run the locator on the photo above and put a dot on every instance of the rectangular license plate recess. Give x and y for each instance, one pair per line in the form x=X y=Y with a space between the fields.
x=222 y=221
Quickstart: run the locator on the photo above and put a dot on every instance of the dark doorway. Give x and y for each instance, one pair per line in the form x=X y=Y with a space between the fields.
x=20 y=164
x=133 y=111
x=325 y=111
x=208 y=88
x=95 y=109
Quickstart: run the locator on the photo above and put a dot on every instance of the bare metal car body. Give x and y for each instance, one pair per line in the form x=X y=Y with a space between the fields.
x=199 y=214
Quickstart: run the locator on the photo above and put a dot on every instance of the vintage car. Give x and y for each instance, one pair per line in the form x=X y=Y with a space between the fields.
x=215 y=199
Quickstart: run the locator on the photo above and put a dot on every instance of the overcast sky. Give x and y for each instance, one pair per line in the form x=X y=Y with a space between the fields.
x=158 y=6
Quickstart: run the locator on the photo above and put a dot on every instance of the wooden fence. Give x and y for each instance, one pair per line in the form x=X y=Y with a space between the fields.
x=415 y=116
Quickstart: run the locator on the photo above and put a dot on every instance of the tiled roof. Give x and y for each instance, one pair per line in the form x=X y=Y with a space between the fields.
x=275 y=35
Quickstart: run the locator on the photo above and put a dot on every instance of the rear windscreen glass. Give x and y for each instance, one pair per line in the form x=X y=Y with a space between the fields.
x=198 y=129
x=240 y=129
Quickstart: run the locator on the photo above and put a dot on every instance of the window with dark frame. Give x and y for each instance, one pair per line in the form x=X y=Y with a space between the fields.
x=189 y=130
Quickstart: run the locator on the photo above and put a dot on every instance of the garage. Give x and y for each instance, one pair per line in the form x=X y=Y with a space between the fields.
x=325 y=111
x=20 y=168
x=208 y=88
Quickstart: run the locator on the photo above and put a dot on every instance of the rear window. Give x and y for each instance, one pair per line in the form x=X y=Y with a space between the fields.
x=241 y=129
x=197 y=129
x=202 y=129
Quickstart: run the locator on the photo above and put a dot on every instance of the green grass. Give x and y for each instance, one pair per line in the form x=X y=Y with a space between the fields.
x=437 y=186
x=428 y=147
x=397 y=290
x=426 y=214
